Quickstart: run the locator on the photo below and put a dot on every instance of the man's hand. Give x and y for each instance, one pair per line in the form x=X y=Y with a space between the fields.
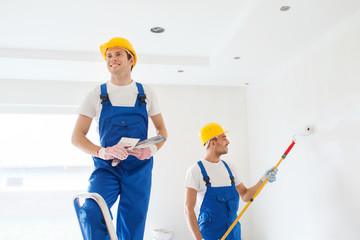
x=143 y=153
x=270 y=174
x=117 y=151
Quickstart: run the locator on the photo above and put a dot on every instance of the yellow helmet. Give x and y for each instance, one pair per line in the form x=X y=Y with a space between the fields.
x=210 y=131
x=118 y=42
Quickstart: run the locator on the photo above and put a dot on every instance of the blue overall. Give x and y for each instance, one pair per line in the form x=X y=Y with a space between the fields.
x=219 y=209
x=131 y=178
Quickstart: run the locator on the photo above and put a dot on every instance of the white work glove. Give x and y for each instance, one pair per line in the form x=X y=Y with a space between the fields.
x=117 y=151
x=270 y=174
x=143 y=153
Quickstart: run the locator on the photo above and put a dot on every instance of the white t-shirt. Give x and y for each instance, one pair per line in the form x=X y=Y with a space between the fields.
x=119 y=96
x=218 y=174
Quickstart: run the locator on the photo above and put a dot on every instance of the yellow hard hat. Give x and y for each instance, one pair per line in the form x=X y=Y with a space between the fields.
x=210 y=131
x=118 y=42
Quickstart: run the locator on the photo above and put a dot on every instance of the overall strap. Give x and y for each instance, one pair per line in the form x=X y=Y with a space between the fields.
x=204 y=173
x=141 y=95
x=230 y=173
x=104 y=95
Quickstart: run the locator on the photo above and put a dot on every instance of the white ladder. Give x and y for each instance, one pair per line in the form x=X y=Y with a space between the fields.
x=104 y=210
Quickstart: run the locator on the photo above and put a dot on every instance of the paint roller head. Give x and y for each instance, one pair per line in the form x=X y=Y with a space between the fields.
x=304 y=131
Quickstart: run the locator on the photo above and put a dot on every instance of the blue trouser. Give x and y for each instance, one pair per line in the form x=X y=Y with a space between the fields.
x=131 y=179
x=219 y=209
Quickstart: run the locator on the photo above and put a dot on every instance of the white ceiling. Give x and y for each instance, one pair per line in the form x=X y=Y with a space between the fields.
x=59 y=40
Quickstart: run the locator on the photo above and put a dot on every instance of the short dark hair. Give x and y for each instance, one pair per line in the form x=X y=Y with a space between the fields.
x=207 y=144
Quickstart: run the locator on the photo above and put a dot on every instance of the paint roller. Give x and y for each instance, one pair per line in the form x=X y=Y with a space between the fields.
x=301 y=131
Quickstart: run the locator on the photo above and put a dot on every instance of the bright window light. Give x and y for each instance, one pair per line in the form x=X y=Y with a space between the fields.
x=37 y=154
x=40 y=140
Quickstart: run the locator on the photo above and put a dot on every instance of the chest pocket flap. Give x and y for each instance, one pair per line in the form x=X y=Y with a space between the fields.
x=126 y=126
x=124 y=121
x=225 y=196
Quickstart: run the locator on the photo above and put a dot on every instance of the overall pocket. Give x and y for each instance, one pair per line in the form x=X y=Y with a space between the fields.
x=124 y=126
x=228 y=202
x=204 y=217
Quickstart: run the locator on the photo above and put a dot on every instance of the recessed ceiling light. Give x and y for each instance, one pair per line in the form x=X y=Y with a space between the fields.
x=157 y=30
x=284 y=8
x=237 y=57
x=180 y=70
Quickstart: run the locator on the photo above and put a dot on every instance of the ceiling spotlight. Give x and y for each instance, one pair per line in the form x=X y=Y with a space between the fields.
x=284 y=8
x=157 y=30
x=180 y=71
x=237 y=57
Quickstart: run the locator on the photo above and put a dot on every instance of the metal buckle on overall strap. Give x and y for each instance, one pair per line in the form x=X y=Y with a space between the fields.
x=207 y=180
x=104 y=98
x=142 y=98
x=232 y=180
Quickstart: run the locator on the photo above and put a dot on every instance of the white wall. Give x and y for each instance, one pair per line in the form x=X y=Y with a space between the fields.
x=316 y=195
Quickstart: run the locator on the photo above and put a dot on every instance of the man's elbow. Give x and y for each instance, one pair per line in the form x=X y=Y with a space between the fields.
x=163 y=132
x=245 y=196
x=75 y=139
x=188 y=209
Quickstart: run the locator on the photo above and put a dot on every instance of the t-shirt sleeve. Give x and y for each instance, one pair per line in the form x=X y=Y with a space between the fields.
x=154 y=106
x=88 y=106
x=192 y=178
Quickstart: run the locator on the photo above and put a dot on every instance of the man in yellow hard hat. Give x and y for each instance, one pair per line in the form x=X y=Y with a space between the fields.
x=121 y=107
x=215 y=186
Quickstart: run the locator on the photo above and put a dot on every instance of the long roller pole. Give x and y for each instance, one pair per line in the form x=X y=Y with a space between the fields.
x=257 y=192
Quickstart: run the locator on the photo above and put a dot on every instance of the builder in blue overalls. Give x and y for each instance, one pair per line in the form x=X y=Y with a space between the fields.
x=216 y=186
x=121 y=107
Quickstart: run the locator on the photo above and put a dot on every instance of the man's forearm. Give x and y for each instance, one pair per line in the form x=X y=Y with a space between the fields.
x=193 y=225
x=162 y=132
x=251 y=191
x=83 y=143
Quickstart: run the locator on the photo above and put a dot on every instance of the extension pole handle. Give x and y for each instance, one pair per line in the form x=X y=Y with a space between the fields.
x=285 y=153
x=258 y=191
x=244 y=209
x=289 y=148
